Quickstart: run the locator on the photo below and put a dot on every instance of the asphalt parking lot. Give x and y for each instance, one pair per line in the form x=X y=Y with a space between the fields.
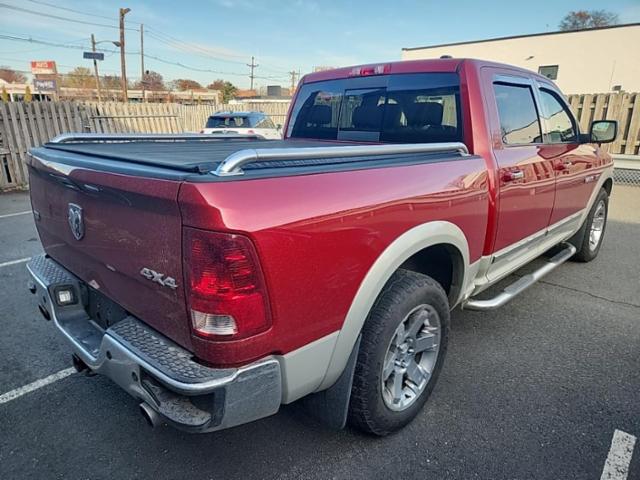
x=535 y=390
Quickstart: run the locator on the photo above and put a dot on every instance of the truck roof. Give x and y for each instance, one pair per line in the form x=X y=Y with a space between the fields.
x=436 y=65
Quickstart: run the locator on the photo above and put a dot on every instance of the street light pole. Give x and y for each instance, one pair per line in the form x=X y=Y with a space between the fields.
x=123 y=66
x=95 y=67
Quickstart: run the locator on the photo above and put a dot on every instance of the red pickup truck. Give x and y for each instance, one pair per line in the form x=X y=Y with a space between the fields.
x=215 y=279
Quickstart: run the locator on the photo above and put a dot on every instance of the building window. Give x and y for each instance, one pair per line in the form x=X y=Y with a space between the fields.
x=549 y=71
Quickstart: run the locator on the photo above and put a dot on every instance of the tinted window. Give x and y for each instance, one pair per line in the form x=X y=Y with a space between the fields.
x=361 y=114
x=423 y=108
x=559 y=125
x=315 y=113
x=413 y=108
x=228 y=121
x=265 y=122
x=519 y=122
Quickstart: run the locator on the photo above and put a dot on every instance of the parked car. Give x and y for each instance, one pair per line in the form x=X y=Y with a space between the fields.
x=251 y=123
x=215 y=279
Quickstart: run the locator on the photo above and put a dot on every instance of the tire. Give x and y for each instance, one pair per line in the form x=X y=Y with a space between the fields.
x=589 y=242
x=420 y=304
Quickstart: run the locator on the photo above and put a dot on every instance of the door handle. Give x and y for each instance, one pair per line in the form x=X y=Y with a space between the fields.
x=563 y=166
x=511 y=175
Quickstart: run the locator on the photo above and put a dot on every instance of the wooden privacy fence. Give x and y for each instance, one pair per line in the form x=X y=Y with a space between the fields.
x=27 y=125
x=623 y=107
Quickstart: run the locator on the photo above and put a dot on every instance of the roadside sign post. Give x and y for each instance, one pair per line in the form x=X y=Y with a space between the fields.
x=45 y=76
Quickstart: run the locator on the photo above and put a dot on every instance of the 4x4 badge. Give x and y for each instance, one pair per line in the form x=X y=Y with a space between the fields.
x=159 y=278
x=76 y=222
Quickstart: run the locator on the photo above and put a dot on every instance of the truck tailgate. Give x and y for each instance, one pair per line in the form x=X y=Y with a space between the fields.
x=128 y=224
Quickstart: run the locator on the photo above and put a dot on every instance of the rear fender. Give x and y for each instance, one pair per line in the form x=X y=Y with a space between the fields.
x=409 y=243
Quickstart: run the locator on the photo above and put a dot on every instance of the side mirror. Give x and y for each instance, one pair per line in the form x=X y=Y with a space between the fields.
x=603 y=131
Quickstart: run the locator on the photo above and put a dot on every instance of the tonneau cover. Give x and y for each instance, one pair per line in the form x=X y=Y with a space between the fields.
x=186 y=156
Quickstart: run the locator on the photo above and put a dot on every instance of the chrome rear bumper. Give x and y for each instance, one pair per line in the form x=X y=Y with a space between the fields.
x=152 y=368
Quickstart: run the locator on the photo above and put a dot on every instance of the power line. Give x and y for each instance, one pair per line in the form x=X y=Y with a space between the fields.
x=146 y=55
x=155 y=33
x=56 y=17
x=166 y=38
x=51 y=44
x=194 y=50
x=89 y=14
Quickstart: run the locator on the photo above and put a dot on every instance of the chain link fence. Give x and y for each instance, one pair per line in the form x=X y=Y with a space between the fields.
x=623 y=176
x=627 y=170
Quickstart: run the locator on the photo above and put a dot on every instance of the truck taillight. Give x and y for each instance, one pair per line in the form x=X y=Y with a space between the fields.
x=225 y=286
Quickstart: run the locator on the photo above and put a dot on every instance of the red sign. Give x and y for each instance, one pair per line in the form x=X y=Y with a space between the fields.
x=43 y=67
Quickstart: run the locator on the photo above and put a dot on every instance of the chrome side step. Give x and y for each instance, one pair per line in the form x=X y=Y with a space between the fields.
x=522 y=283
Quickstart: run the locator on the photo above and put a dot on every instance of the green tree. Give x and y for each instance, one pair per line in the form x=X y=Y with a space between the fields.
x=4 y=95
x=583 y=19
x=27 y=94
x=228 y=89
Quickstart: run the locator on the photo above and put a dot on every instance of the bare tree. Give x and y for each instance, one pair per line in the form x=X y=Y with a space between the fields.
x=582 y=19
x=153 y=81
x=11 y=76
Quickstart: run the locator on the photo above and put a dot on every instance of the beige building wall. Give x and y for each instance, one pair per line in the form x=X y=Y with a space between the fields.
x=589 y=61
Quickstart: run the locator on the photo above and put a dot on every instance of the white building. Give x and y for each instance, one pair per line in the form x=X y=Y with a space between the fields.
x=596 y=60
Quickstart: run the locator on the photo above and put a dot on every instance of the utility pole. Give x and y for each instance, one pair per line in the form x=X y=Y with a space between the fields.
x=123 y=66
x=293 y=74
x=95 y=67
x=144 y=95
x=253 y=65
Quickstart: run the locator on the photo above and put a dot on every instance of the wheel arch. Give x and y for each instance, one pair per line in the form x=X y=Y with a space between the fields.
x=412 y=250
x=608 y=185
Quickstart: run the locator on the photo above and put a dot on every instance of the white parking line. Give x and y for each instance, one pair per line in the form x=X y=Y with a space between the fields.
x=617 y=465
x=7 y=215
x=15 y=262
x=43 y=382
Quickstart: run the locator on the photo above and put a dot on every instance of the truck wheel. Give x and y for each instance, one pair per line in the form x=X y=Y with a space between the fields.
x=594 y=227
x=404 y=341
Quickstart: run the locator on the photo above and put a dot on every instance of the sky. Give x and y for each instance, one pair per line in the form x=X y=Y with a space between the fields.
x=210 y=39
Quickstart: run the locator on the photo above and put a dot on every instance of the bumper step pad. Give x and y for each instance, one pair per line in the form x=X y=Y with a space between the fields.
x=163 y=354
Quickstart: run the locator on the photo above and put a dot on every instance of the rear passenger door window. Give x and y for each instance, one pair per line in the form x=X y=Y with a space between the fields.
x=519 y=122
x=558 y=120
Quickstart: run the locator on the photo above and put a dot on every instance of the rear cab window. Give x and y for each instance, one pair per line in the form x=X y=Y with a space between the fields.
x=401 y=108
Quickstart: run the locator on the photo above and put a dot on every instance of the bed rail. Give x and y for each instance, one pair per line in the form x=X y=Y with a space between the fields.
x=233 y=164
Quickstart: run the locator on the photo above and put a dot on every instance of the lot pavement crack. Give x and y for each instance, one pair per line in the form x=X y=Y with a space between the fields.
x=599 y=297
